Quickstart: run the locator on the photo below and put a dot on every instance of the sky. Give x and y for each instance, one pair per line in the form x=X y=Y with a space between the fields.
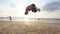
x=16 y=8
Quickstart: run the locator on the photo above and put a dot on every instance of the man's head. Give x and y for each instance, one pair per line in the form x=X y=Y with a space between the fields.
x=26 y=13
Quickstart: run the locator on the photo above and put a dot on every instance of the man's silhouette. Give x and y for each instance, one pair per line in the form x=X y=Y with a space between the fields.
x=10 y=18
x=32 y=8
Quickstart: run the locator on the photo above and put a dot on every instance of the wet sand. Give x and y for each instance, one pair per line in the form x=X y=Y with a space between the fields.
x=21 y=27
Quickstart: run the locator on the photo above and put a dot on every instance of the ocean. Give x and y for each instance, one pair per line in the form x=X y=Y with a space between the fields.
x=49 y=20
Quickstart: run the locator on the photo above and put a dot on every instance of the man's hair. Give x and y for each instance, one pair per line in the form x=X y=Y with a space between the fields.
x=33 y=5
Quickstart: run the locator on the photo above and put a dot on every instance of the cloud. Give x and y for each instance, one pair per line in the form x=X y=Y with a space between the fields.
x=1 y=11
x=52 y=6
x=13 y=5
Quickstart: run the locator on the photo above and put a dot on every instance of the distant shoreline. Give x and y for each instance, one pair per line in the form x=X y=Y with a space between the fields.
x=30 y=19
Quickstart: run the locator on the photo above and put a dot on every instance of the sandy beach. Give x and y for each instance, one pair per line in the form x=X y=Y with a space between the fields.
x=20 y=27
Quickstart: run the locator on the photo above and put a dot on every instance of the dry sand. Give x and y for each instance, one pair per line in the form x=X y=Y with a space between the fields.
x=18 y=27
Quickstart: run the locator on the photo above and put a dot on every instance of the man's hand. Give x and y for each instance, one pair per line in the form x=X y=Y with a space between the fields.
x=39 y=10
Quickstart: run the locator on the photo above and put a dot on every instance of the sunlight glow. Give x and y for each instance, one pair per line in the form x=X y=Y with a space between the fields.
x=26 y=20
